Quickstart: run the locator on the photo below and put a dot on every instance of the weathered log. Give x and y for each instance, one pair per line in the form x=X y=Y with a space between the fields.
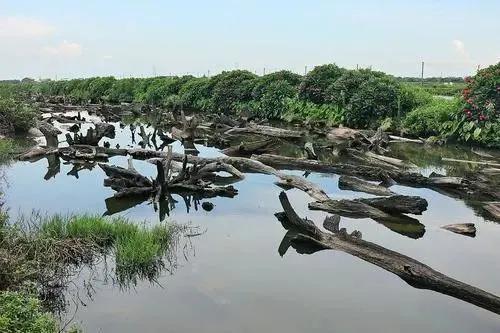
x=493 y=208
x=50 y=133
x=342 y=134
x=246 y=149
x=401 y=139
x=93 y=135
x=309 y=148
x=486 y=163
x=267 y=131
x=398 y=204
x=356 y=184
x=467 y=229
x=390 y=160
x=410 y=270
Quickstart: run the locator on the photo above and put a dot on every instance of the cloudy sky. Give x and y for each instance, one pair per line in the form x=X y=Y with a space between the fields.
x=66 y=39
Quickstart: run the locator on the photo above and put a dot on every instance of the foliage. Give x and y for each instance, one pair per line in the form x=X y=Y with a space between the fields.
x=374 y=100
x=478 y=118
x=315 y=84
x=428 y=119
x=20 y=312
x=303 y=110
x=7 y=149
x=263 y=82
x=196 y=94
x=231 y=88
x=16 y=116
x=273 y=102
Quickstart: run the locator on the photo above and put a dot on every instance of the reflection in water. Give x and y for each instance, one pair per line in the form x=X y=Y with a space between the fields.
x=306 y=238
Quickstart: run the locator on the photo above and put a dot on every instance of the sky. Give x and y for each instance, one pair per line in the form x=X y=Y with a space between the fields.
x=69 y=39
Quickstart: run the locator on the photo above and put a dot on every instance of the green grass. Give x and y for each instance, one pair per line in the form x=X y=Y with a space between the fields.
x=7 y=149
x=428 y=119
x=39 y=252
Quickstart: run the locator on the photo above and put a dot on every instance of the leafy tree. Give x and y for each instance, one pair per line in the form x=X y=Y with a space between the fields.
x=376 y=99
x=231 y=88
x=273 y=101
x=315 y=84
x=263 y=82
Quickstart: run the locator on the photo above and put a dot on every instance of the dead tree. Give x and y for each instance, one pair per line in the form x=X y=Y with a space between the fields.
x=93 y=135
x=305 y=237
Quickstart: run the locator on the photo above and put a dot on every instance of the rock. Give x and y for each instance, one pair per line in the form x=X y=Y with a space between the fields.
x=467 y=229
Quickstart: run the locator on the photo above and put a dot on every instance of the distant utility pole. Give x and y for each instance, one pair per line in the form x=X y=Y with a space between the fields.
x=478 y=67
x=154 y=71
x=305 y=70
x=422 y=77
x=357 y=66
x=264 y=71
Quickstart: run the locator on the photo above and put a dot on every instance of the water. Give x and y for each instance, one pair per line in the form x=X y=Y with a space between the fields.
x=234 y=280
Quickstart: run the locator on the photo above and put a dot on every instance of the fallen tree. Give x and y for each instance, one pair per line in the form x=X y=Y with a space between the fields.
x=267 y=131
x=305 y=237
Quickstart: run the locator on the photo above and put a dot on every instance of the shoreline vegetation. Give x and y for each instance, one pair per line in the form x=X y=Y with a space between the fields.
x=41 y=255
x=328 y=94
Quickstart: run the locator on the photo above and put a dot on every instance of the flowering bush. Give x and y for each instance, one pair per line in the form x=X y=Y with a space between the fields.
x=479 y=116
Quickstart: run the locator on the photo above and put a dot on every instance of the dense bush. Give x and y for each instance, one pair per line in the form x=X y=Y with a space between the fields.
x=314 y=86
x=231 y=88
x=478 y=118
x=273 y=100
x=16 y=116
x=428 y=119
x=375 y=99
x=23 y=313
x=297 y=110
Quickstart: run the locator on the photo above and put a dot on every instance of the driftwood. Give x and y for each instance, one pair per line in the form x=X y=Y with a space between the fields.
x=388 y=211
x=461 y=187
x=401 y=139
x=467 y=229
x=50 y=133
x=267 y=131
x=305 y=237
x=356 y=184
x=248 y=148
x=93 y=135
x=493 y=208
x=309 y=148
x=486 y=163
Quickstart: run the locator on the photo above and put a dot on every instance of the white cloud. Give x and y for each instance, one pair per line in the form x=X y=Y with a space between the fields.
x=67 y=49
x=23 y=27
x=107 y=57
x=459 y=46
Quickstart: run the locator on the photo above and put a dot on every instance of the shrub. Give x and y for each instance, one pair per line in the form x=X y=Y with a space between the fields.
x=428 y=119
x=314 y=86
x=263 y=82
x=303 y=110
x=376 y=99
x=273 y=101
x=16 y=116
x=196 y=93
x=478 y=118
x=231 y=88
x=20 y=312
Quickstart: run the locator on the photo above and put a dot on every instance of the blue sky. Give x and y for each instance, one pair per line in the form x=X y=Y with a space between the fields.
x=67 y=39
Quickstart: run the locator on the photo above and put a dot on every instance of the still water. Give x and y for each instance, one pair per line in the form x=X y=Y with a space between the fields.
x=232 y=279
